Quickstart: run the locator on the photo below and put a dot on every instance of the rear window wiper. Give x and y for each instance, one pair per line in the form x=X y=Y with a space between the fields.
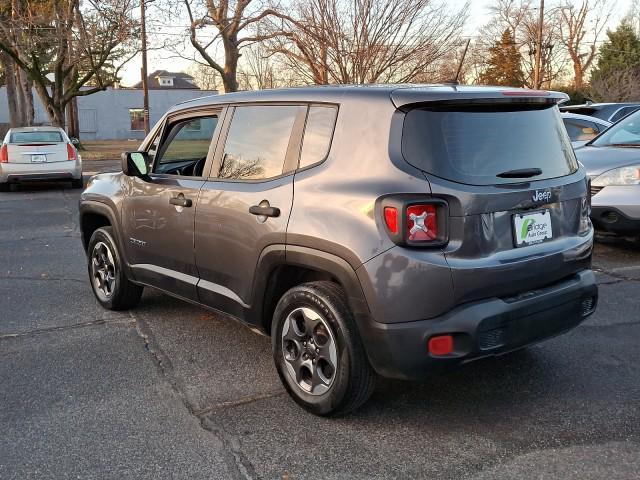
x=521 y=173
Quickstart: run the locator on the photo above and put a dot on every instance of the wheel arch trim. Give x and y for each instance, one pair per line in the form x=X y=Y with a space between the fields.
x=99 y=208
x=280 y=255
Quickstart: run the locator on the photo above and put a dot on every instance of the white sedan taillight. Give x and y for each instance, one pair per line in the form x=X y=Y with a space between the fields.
x=4 y=153
x=71 y=153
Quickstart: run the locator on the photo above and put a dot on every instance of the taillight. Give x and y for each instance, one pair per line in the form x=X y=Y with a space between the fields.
x=413 y=221
x=71 y=152
x=391 y=219
x=4 y=154
x=422 y=224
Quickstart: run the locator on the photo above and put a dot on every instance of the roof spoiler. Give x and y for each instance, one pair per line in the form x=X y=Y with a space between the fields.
x=450 y=94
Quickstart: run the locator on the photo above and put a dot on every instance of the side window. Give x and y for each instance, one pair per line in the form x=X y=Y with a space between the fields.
x=257 y=142
x=573 y=129
x=184 y=150
x=318 y=133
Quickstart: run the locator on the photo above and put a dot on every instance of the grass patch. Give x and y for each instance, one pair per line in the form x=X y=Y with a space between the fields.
x=107 y=149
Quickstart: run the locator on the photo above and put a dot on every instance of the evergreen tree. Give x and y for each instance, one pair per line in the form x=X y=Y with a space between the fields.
x=621 y=52
x=504 y=64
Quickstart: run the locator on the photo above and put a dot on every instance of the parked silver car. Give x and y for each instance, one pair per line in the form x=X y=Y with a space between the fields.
x=612 y=112
x=613 y=163
x=39 y=154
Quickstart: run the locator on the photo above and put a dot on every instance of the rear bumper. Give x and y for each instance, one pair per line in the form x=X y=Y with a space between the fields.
x=483 y=328
x=26 y=172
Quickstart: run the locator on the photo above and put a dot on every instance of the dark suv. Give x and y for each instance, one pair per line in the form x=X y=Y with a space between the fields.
x=392 y=230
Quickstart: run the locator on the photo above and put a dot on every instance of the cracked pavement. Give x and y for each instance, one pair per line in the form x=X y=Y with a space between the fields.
x=170 y=390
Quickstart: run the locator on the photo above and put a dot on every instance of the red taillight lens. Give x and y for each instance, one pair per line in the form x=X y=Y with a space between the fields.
x=71 y=152
x=440 y=345
x=391 y=219
x=422 y=224
x=4 y=154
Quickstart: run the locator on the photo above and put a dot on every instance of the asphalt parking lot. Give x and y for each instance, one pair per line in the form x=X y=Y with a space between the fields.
x=173 y=391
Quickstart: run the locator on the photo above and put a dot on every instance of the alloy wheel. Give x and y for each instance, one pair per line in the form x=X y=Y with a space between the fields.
x=309 y=350
x=103 y=270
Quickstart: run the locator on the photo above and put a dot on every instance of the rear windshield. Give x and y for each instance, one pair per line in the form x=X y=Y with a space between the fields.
x=473 y=145
x=36 y=137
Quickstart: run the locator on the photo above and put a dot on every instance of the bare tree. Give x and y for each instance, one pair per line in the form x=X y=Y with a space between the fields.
x=19 y=88
x=68 y=49
x=235 y=23
x=521 y=18
x=367 y=41
x=580 y=29
x=8 y=67
x=259 y=69
x=204 y=76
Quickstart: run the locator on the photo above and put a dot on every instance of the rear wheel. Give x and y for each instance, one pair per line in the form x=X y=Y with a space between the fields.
x=109 y=282
x=4 y=187
x=318 y=352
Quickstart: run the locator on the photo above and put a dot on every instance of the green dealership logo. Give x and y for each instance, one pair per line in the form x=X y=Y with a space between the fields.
x=527 y=225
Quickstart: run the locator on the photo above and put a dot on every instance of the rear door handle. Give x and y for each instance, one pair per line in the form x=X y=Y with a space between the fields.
x=180 y=201
x=264 y=210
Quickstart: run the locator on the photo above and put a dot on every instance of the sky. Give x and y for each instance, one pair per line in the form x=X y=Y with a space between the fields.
x=163 y=59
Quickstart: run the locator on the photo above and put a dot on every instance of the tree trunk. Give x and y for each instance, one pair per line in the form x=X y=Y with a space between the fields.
x=27 y=111
x=73 y=127
x=578 y=76
x=229 y=79
x=57 y=116
x=10 y=79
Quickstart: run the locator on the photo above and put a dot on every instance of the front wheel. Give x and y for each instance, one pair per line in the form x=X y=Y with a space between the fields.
x=318 y=352
x=108 y=279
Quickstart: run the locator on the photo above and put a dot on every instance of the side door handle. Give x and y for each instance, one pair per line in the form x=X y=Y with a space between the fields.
x=180 y=201
x=264 y=210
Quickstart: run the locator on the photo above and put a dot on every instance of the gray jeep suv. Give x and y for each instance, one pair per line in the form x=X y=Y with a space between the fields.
x=391 y=230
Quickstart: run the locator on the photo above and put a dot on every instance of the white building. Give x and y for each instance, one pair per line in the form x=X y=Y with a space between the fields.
x=116 y=113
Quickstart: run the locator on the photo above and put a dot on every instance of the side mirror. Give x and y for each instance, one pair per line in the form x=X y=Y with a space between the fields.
x=74 y=141
x=135 y=164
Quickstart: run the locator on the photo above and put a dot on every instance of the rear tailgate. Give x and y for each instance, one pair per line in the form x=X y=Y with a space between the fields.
x=37 y=152
x=464 y=148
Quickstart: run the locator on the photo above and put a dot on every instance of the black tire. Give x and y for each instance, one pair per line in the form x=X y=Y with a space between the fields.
x=5 y=187
x=123 y=294
x=77 y=183
x=353 y=379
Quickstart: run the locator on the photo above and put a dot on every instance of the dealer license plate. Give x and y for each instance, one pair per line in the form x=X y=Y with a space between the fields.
x=532 y=228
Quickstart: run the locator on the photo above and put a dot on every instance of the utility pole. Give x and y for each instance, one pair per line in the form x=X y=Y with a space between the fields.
x=537 y=81
x=145 y=87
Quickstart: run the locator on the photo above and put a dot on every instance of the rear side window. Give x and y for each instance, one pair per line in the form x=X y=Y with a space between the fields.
x=473 y=145
x=36 y=137
x=257 y=142
x=318 y=133
x=622 y=112
x=580 y=130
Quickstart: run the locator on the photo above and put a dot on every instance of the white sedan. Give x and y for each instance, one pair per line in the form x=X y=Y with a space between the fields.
x=39 y=154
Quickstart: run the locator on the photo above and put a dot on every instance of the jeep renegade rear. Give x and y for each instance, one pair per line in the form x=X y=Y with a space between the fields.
x=386 y=230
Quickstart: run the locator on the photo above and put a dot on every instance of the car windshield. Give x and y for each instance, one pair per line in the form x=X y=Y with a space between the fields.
x=36 y=137
x=625 y=133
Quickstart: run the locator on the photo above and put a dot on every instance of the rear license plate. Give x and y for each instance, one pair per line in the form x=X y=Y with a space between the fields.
x=532 y=228
x=38 y=158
